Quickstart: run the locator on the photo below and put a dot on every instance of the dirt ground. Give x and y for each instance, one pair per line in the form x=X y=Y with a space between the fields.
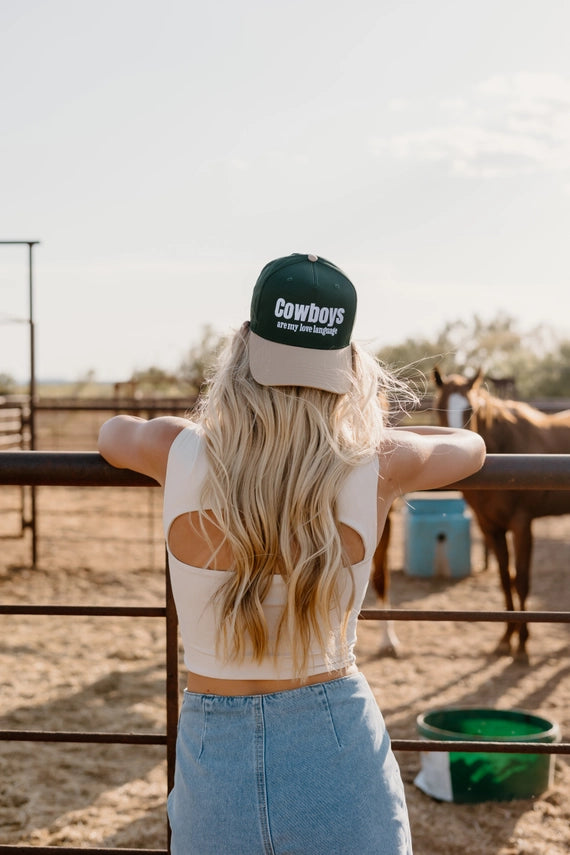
x=104 y=546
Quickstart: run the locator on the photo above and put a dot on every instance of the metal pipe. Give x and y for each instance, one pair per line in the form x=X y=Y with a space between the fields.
x=82 y=736
x=91 y=611
x=66 y=469
x=32 y=416
x=16 y=849
x=483 y=616
x=32 y=522
x=481 y=746
x=88 y=469
x=519 y=472
x=172 y=679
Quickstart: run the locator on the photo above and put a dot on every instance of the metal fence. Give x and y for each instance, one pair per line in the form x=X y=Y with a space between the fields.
x=81 y=469
x=15 y=434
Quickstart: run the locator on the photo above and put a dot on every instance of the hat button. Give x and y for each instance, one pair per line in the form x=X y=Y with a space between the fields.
x=312 y=257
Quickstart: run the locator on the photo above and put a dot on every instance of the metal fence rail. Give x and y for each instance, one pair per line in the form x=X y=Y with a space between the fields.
x=69 y=850
x=88 y=469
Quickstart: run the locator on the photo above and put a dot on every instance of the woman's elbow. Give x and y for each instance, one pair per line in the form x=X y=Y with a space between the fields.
x=479 y=452
x=110 y=438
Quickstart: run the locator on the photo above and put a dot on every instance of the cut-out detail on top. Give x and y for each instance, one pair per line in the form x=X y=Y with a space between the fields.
x=188 y=543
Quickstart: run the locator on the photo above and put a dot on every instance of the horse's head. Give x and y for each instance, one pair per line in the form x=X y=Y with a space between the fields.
x=454 y=404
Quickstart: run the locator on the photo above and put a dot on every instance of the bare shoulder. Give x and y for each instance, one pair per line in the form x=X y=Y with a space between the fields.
x=164 y=429
x=395 y=457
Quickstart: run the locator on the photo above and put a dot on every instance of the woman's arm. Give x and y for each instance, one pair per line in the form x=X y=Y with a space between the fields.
x=129 y=442
x=425 y=457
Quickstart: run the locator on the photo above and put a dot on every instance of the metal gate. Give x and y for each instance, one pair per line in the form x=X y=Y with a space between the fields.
x=82 y=469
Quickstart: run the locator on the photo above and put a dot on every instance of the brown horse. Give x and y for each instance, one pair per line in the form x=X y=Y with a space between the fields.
x=380 y=579
x=508 y=427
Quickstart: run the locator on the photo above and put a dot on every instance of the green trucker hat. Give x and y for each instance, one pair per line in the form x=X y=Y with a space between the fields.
x=302 y=314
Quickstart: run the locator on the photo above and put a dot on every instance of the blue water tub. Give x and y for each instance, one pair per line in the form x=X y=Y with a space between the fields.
x=437 y=532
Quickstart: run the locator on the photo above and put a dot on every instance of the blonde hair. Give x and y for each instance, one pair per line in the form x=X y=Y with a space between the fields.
x=278 y=457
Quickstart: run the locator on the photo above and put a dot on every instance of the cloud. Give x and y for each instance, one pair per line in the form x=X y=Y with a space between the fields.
x=538 y=88
x=398 y=105
x=507 y=124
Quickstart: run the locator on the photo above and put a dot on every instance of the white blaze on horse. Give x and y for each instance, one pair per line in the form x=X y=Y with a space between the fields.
x=508 y=427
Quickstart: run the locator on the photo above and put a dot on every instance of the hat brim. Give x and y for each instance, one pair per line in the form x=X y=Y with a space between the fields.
x=273 y=364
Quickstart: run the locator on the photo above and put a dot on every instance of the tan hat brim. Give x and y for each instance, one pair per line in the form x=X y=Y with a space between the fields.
x=273 y=364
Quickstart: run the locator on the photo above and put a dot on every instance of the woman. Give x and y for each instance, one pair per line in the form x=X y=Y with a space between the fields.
x=275 y=496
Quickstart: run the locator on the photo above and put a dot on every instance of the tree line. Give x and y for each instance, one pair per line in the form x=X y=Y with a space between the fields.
x=537 y=360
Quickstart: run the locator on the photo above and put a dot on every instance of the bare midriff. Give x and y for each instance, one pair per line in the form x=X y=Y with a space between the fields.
x=202 y=685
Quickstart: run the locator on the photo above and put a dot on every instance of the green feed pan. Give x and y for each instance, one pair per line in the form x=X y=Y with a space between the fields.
x=481 y=777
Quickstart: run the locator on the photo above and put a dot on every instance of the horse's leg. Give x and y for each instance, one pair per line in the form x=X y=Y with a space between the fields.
x=521 y=527
x=497 y=540
x=380 y=579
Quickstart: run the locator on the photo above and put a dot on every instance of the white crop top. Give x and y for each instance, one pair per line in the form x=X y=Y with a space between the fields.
x=194 y=587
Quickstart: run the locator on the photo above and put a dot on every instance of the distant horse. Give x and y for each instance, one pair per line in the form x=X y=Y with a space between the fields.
x=508 y=427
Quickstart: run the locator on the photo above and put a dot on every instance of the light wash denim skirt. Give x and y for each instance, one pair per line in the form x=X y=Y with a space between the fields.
x=307 y=771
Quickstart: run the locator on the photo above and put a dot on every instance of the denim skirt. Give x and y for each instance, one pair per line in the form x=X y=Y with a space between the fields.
x=307 y=771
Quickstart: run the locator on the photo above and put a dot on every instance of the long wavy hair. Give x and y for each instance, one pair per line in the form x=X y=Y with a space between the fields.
x=278 y=457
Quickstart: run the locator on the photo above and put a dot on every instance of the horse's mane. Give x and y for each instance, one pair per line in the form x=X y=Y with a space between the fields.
x=490 y=409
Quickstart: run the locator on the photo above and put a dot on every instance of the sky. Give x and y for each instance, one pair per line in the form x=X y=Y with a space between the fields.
x=162 y=151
